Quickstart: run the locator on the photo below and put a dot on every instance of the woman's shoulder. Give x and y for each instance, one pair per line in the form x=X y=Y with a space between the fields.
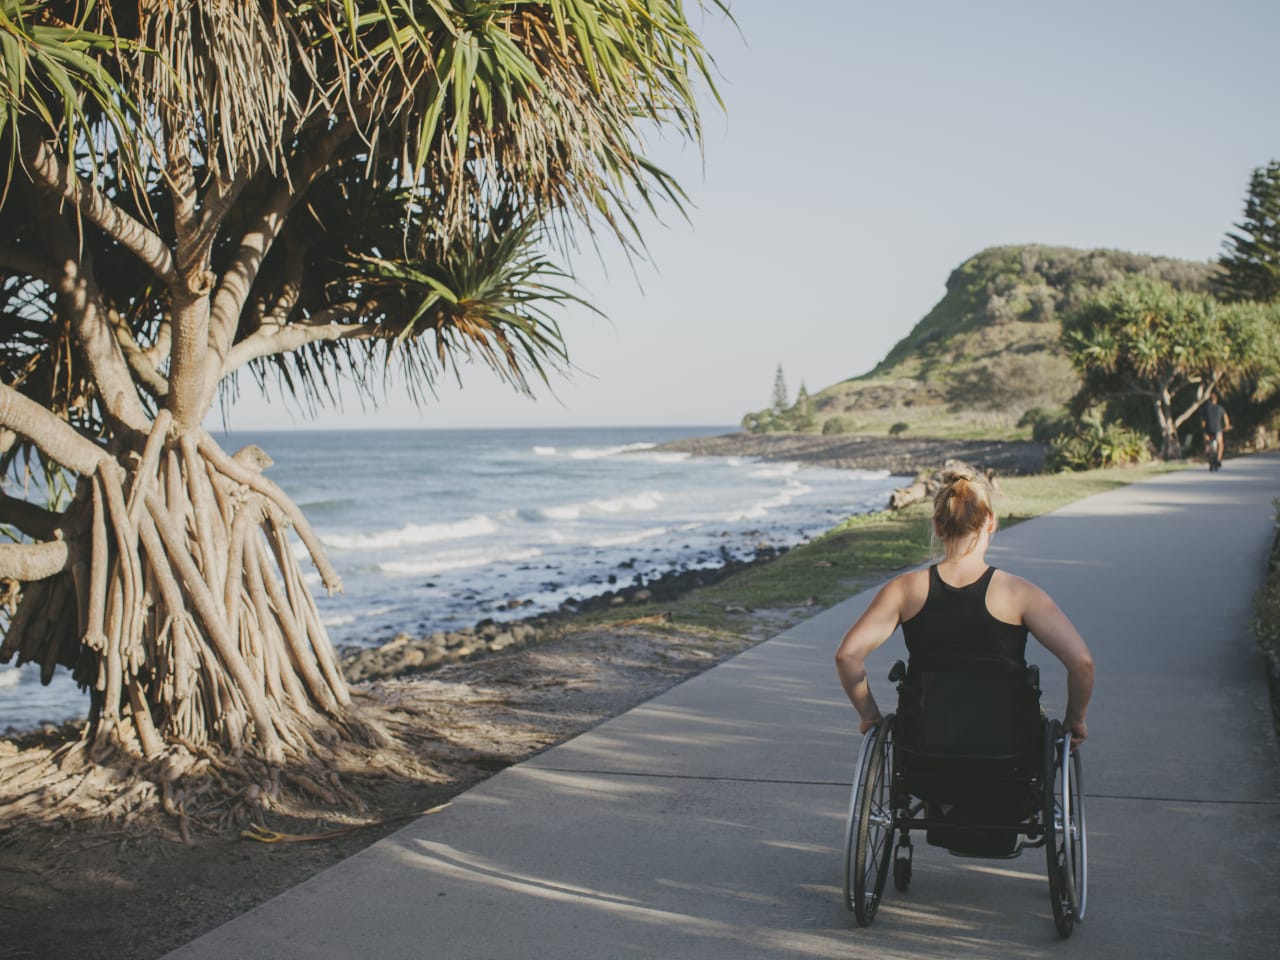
x=1012 y=592
x=1011 y=581
x=910 y=591
x=912 y=580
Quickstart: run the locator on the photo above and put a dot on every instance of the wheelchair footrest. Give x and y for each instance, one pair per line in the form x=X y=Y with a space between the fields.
x=1002 y=844
x=972 y=832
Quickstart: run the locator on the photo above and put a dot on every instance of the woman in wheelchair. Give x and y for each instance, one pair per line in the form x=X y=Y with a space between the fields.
x=949 y=754
x=961 y=611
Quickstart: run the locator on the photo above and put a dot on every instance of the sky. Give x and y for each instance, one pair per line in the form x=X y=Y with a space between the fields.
x=864 y=151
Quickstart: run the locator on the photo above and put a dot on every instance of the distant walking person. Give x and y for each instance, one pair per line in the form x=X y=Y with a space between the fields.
x=1215 y=422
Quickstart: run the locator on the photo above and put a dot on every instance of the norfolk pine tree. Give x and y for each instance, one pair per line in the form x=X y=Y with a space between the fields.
x=802 y=416
x=780 y=401
x=1251 y=263
x=299 y=193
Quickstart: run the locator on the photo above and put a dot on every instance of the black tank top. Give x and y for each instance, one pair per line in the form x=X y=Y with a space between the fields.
x=955 y=630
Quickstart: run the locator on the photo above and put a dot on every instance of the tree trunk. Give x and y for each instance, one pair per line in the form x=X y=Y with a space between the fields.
x=1163 y=403
x=183 y=609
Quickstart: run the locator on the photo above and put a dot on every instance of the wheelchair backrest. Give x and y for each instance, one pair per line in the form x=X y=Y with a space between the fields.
x=978 y=714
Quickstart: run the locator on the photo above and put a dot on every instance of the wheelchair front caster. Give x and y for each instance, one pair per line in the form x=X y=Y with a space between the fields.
x=902 y=866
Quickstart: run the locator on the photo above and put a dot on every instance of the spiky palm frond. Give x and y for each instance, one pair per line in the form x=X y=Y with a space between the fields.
x=56 y=75
x=544 y=97
x=220 y=75
x=450 y=104
x=490 y=300
x=547 y=97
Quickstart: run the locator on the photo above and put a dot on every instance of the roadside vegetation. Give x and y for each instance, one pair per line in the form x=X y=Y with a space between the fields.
x=1266 y=605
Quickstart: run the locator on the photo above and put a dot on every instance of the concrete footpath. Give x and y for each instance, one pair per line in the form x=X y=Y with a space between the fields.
x=708 y=822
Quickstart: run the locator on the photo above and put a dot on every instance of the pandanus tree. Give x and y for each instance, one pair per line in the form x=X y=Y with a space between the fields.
x=297 y=192
x=1169 y=349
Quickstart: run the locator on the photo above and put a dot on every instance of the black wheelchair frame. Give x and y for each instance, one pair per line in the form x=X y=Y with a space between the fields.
x=1036 y=792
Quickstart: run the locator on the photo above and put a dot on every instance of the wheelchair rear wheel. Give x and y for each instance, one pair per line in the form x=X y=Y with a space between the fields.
x=1066 y=840
x=869 y=827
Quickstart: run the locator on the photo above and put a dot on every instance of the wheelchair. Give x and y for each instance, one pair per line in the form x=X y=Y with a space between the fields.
x=970 y=759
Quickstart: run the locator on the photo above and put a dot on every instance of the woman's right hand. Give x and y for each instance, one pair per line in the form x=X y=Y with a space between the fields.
x=868 y=724
x=1079 y=731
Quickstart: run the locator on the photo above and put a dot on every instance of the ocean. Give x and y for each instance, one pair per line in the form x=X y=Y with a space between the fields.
x=437 y=529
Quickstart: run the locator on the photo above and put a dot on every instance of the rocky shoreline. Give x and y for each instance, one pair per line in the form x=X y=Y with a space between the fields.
x=405 y=655
x=898 y=455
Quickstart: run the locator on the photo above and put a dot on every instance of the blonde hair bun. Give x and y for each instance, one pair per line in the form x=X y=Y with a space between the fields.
x=962 y=505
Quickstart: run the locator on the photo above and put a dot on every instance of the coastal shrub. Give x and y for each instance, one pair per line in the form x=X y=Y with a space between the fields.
x=899 y=428
x=766 y=421
x=836 y=425
x=1091 y=445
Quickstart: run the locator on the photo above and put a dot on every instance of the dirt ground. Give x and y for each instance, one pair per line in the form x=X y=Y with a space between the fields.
x=85 y=893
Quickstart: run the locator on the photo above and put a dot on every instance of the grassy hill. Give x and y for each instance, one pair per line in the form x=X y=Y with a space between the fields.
x=985 y=354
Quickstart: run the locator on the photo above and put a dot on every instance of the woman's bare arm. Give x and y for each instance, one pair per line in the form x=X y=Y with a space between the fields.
x=1059 y=636
x=873 y=628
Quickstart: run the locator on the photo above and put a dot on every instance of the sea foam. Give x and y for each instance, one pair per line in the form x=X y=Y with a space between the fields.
x=623 y=539
x=648 y=500
x=456 y=560
x=414 y=534
x=595 y=453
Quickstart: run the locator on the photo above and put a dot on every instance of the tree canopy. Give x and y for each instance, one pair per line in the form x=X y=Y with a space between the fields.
x=435 y=143
x=1142 y=338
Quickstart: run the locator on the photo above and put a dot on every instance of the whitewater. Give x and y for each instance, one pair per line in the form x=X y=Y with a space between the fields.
x=435 y=530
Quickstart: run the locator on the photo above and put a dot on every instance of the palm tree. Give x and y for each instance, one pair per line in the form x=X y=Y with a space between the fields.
x=297 y=191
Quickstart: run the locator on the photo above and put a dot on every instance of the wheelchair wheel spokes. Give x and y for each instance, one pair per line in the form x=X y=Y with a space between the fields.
x=873 y=834
x=1065 y=838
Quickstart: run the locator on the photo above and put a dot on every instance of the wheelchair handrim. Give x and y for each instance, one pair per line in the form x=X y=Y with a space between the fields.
x=851 y=820
x=1082 y=891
